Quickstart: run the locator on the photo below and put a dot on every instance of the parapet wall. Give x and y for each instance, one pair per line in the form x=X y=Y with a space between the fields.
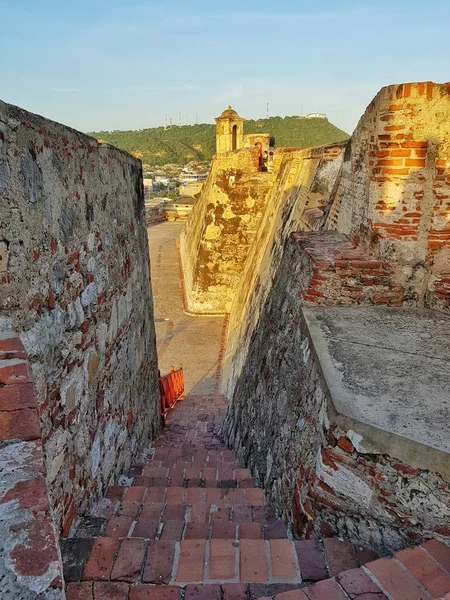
x=75 y=285
x=221 y=230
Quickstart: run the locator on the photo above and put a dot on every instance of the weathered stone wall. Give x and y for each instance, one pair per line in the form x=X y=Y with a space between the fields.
x=319 y=469
x=30 y=564
x=394 y=188
x=221 y=230
x=75 y=283
x=303 y=183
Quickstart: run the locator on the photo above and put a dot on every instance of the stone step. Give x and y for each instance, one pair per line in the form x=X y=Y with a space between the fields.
x=188 y=523
x=222 y=556
x=135 y=569
x=189 y=527
x=225 y=475
x=420 y=573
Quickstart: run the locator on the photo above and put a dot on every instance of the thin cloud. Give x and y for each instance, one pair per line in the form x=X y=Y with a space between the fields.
x=164 y=88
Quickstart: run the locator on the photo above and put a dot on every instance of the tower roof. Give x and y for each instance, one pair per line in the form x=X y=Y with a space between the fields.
x=230 y=113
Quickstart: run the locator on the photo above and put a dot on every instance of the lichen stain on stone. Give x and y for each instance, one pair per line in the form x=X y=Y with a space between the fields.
x=212 y=232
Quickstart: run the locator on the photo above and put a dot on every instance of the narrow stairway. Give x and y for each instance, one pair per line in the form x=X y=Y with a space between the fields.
x=189 y=523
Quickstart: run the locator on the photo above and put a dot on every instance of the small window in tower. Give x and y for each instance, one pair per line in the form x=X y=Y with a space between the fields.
x=234 y=138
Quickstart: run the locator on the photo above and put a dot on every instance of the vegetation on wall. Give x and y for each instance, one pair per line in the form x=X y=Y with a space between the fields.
x=182 y=144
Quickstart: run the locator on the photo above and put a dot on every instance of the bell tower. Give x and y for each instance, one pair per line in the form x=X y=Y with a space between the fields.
x=229 y=131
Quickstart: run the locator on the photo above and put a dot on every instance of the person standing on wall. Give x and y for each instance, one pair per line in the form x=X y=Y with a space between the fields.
x=265 y=160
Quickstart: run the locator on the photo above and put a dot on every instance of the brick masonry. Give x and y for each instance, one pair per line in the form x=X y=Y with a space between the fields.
x=394 y=188
x=30 y=564
x=75 y=284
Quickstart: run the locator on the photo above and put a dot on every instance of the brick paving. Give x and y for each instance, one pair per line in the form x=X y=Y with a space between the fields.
x=191 y=523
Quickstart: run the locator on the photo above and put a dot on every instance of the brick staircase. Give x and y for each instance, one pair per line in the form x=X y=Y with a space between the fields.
x=189 y=523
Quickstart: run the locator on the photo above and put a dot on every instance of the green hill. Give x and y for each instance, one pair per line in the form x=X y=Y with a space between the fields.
x=160 y=146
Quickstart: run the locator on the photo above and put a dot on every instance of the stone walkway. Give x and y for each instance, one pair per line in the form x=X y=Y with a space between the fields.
x=189 y=522
x=180 y=334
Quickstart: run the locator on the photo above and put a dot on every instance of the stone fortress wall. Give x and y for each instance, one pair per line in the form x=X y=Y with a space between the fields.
x=375 y=214
x=75 y=285
x=220 y=230
x=303 y=183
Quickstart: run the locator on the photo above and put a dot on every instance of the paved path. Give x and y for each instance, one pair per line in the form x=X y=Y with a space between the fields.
x=189 y=524
x=193 y=342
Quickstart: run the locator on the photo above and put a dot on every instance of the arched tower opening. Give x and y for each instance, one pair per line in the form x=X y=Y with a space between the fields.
x=234 y=138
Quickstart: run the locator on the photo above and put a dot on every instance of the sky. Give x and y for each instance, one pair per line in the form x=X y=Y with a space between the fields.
x=109 y=64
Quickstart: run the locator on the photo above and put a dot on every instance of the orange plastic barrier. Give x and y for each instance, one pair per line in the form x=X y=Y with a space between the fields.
x=171 y=388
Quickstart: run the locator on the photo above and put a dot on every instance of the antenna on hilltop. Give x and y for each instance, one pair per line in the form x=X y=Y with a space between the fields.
x=179 y=117
x=196 y=118
x=185 y=121
x=166 y=121
x=267 y=110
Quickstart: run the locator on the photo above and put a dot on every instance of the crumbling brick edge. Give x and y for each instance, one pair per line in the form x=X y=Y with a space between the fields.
x=30 y=562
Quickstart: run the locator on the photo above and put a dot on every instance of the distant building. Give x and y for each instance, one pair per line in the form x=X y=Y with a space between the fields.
x=162 y=179
x=179 y=209
x=187 y=177
x=148 y=186
x=316 y=116
x=190 y=189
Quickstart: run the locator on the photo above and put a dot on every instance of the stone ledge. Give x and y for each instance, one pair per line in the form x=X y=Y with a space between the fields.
x=386 y=369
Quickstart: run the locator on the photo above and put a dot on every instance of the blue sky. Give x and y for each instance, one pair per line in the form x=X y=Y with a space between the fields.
x=110 y=64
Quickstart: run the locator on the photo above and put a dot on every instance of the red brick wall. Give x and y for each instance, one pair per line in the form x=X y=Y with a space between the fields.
x=29 y=561
x=343 y=274
x=396 y=184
